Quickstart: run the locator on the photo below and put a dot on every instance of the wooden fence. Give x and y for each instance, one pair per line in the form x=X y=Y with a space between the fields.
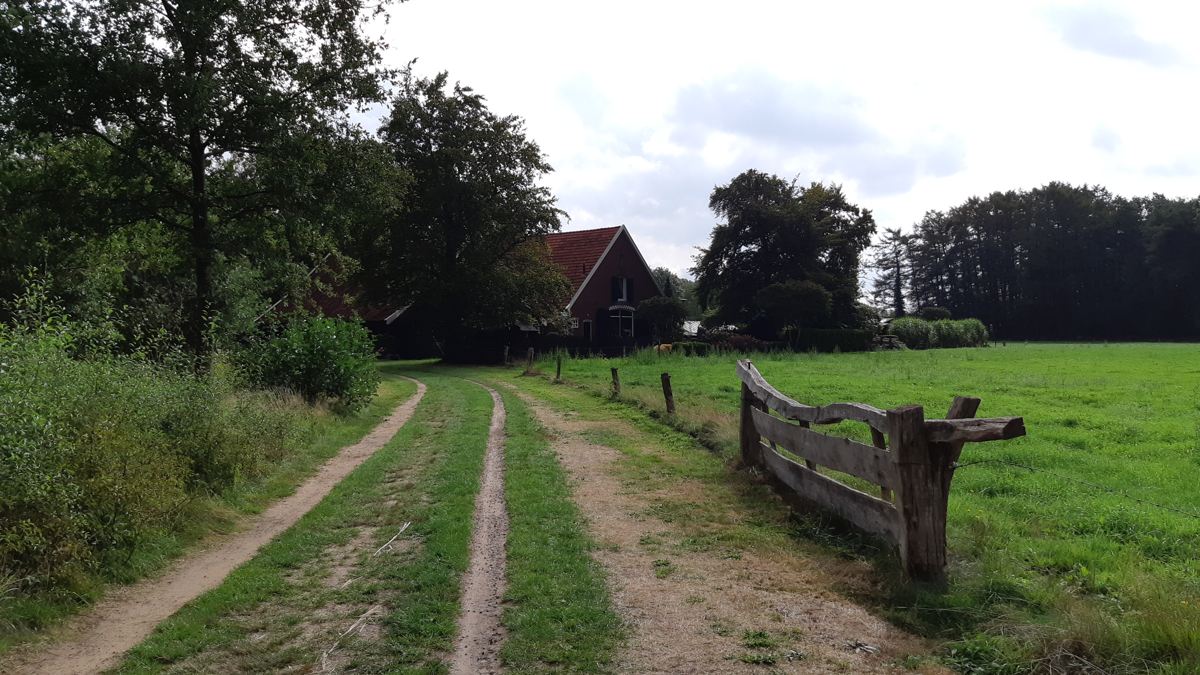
x=911 y=458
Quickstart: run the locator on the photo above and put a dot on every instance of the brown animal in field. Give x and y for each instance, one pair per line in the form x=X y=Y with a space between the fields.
x=663 y=349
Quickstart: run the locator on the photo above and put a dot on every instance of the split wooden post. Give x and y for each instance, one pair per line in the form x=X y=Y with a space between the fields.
x=750 y=439
x=919 y=498
x=878 y=440
x=529 y=360
x=504 y=360
x=616 y=383
x=668 y=394
x=558 y=369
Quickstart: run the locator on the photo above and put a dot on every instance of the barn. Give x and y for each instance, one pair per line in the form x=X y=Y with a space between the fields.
x=609 y=277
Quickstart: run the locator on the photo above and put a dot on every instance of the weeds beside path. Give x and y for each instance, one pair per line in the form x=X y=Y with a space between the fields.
x=97 y=639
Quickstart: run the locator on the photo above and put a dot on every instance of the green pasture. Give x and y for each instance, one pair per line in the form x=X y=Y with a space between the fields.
x=1088 y=556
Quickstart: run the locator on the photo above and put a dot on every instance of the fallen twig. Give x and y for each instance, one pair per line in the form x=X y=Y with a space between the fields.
x=351 y=629
x=389 y=543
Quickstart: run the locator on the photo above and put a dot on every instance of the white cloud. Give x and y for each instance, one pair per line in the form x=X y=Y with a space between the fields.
x=643 y=107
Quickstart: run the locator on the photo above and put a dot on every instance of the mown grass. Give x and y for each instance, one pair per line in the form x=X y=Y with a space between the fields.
x=1046 y=571
x=431 y=471
x=559 y=617
x=24 y=616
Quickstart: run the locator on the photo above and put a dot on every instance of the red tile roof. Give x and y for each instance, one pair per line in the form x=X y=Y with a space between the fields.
x=576 y=253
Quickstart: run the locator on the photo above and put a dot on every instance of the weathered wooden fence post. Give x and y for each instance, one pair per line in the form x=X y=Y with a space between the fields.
x=529 y=361
x=668 y=394
x=750 y=440
x=504 y=360
x=558 y=369
x=919 y=498
x=616 y=383
x=878 y=440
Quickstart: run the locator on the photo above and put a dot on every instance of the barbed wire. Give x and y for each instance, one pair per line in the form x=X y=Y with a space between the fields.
x=1080 y=481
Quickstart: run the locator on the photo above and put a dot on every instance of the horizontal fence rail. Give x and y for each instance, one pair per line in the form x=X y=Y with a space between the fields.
x=911 y=459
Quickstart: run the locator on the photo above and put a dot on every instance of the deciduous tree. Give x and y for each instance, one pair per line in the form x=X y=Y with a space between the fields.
x=182 y=91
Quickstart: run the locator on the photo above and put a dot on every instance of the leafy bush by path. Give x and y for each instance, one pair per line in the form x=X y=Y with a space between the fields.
x=97 y=456
x=318 y=358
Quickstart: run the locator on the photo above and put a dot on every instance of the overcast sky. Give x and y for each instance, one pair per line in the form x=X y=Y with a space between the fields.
x=643 y=107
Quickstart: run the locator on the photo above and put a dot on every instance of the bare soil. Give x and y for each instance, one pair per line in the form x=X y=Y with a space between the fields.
x=702 y=611
x=95 y=640
x=480 y=633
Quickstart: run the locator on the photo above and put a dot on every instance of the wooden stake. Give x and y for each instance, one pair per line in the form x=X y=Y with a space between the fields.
x=750 y=440
x=505 y=359
x=558 y=369
x=878 y=440
x=529 y=361
x=616 y=383
x=919 y=497
x=668 y=394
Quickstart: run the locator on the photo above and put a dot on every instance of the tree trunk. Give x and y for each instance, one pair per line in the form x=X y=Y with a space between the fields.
x=198 y=335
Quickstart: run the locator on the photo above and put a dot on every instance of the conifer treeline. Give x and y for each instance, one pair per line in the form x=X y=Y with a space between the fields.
x=1058 y=262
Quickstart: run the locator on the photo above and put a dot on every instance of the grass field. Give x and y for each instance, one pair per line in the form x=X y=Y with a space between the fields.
x=1059 y=567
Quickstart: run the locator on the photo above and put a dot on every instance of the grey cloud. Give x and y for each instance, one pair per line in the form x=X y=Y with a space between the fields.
x=1103 y=31
x=880 y=171
x=758 y=105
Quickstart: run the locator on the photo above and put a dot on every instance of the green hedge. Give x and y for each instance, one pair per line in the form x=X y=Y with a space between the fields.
x=832 y=340
x=920 y=334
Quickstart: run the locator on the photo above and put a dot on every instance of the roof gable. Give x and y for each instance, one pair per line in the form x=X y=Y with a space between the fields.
x=577 y=253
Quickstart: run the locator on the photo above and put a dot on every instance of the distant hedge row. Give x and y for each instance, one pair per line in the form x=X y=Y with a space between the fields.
x=921 y=334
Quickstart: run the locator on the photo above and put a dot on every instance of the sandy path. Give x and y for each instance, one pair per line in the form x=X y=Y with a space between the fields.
x=694 y=620
x=95 y=641
x=480 y=635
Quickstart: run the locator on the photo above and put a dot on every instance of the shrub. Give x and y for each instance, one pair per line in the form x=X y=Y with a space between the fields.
x=976 y=333
x=691 y=348
x=831 y=340
x=947 y=333
x=316 y=357
x=665 y=316
x=920 y=334
x=97 y=456
x=913 y=332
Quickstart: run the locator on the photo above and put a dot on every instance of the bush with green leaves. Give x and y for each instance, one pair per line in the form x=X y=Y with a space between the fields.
x=319 y=358
x=913 y=332
x=100 y=454
x=945 y=333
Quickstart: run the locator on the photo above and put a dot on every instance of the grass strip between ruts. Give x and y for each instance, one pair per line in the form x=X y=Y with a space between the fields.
x=559 y=616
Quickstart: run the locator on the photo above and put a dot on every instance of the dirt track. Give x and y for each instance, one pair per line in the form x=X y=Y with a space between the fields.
x=480 y=634
x=695 y=620
x=95 y=641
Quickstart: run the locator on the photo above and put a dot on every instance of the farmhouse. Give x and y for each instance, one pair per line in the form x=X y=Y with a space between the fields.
x=609 y=277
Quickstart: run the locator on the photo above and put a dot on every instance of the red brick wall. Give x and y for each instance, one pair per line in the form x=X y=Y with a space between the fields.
x=593 y=303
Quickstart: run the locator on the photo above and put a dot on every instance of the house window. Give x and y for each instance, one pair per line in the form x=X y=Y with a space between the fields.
x=574 y=322
x=622 y=289
x=587 y=330
x=623 y=320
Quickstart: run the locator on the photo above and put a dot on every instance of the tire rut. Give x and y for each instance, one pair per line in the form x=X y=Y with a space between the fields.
x=480 y=632
x=97 y=639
